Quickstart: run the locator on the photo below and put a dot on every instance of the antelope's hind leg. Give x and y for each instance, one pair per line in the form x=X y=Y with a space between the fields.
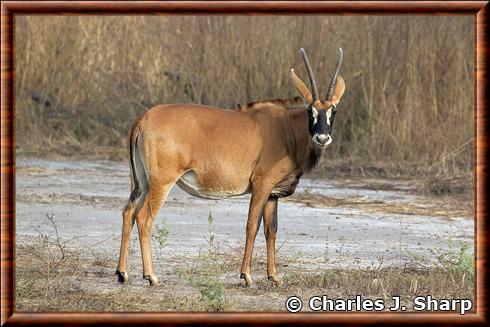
x=128 y=222
x=145 y=218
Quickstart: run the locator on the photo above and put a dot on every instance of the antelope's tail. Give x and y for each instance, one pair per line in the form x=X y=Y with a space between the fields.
x=133 y=141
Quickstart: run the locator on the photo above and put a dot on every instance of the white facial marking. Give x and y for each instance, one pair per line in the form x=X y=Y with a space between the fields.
x=314 y=113
x=317 y=137
x=329 y=140
x=313 y=138
x=329 y=114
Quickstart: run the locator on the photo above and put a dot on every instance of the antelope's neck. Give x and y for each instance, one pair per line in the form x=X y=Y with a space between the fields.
x=306 y=156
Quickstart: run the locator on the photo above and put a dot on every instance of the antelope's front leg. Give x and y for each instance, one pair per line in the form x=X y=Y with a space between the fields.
x=257 y=203
x=270 y=230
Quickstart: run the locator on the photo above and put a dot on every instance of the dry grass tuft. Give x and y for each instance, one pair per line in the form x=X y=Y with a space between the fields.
x=448 y=185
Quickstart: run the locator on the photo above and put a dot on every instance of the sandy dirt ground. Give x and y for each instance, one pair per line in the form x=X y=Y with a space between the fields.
x=339 y=223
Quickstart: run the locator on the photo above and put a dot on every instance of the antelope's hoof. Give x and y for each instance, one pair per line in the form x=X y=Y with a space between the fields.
x=122 y=277
x=274 y=280
x=152 y=279
x=248 y=279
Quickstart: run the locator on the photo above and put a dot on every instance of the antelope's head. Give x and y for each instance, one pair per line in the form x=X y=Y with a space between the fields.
x=321 y=112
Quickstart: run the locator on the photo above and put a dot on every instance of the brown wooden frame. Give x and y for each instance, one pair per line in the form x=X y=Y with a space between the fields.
x=9 y=9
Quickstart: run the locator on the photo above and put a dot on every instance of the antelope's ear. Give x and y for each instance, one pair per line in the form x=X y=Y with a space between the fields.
x=338 y=92
x=302 y=89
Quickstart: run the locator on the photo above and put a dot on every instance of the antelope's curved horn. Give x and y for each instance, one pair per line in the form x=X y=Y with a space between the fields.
x=331 y=87
x=314 y=90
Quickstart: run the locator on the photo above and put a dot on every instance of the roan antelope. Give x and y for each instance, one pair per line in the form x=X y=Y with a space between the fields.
x=262 y=149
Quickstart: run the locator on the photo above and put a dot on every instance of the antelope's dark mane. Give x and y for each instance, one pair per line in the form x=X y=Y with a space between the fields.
x=292 y=103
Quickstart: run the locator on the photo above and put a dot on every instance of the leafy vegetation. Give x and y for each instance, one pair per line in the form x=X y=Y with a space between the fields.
x=205 y=276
